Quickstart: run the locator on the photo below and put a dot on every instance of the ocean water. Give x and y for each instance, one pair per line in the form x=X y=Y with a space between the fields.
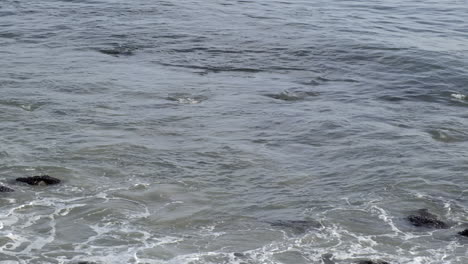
x=190 y=132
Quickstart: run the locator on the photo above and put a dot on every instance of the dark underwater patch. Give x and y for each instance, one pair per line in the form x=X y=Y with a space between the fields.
x=120 y=50
x=298 y=226
x=289 y=95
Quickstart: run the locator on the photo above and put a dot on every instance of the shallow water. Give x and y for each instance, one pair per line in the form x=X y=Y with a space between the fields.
x=185 y=131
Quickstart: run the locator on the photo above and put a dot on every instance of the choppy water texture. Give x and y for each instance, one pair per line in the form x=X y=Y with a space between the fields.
x=233 y=131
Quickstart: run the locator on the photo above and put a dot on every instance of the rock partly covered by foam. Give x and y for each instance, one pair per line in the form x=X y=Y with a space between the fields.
x=39 y=180
x=464 y=232
x=5 y=189
x=425 y=219
x=327 y=258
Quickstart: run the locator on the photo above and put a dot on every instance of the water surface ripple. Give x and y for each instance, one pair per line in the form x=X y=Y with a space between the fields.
x=233 y=131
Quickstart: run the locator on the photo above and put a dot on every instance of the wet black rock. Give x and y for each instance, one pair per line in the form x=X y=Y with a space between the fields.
x=372 y=262
x=425 y=219
x=239 y=255
x=298 y=226
x=5 y=189
x=464 y=233
x=39 y=180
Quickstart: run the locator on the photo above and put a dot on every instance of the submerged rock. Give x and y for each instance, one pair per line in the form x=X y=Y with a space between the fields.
x=426 y=219
x=119 y=50
x=464 y=232
x=290 y=95
x=299 y=226
x=5 y=189
x=39 y=180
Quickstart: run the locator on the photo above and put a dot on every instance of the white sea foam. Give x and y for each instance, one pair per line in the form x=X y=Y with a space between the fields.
x=458 y=96
x=187 y=100
x=132 y=243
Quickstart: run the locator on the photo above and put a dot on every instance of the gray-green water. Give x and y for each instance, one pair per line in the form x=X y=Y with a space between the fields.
x=183 y=129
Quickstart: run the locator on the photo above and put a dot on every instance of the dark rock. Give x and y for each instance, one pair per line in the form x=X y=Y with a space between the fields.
x=464 y=233
x=425 y=212
x=422 y=221
x=5 y=189
x=299 y=226
x=372 y=262
x=327 y=258
x=39 y=180
x=239 y=255
x=425 y=219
